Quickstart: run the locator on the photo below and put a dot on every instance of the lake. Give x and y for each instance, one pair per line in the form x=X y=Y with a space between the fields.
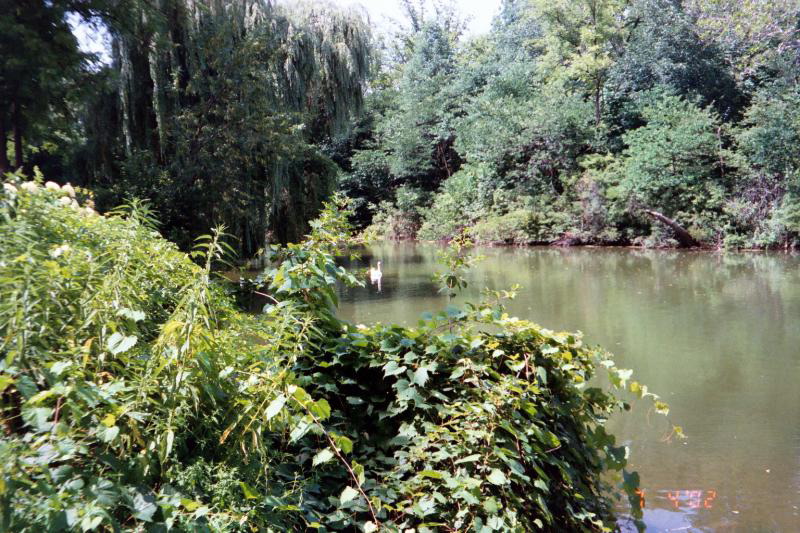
x=716 y=335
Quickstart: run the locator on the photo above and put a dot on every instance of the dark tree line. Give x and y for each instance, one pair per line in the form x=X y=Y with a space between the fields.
x=590 y=121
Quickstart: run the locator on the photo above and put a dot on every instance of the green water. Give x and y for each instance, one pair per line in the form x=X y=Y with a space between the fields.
x=716 y=335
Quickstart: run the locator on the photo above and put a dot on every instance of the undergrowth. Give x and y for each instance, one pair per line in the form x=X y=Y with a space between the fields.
x=136 y=396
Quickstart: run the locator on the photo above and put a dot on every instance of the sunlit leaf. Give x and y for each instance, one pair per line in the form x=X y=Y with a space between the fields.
x=323 y=456
x=348 y=494
x=119 y=343
x=275 y=406
x=249 y=492
x=497 y=477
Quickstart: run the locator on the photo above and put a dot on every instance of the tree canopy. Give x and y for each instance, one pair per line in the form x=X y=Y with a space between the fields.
x=251 y=113
x=572 y=122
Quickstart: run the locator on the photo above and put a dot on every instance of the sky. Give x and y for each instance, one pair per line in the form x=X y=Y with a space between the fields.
x=478 y=12
x=93 y=39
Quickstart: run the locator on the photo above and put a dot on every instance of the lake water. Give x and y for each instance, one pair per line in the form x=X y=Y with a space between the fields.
x=716 y=335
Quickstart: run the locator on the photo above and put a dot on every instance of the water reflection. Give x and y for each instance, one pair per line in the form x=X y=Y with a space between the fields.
x=715 y=334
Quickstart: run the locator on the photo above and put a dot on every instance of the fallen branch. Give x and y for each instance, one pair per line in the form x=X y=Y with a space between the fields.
x=682 y=236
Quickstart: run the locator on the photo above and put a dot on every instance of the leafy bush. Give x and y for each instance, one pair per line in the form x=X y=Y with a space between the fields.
x=459 y=202
x=511 y=228
x=770 y=131
x=669 y=160
x=135 y=396
x=536 y=224
x=401 y=219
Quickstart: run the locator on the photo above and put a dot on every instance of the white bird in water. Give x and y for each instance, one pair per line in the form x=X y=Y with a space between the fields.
x=375 y=276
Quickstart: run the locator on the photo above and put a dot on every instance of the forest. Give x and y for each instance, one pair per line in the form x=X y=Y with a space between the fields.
x=140 y=392
x=646 y=122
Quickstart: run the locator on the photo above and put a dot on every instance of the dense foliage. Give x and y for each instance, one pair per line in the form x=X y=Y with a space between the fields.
x=136 y=396
x=655 y=122
x=214 y=111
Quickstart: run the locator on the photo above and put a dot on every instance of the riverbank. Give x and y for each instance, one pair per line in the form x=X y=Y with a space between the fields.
x=576 y=243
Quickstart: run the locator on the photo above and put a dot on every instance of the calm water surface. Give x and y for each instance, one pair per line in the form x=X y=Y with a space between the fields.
x=716 y=335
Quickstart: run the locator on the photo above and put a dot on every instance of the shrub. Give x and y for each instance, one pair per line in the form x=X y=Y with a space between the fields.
x=511 y=228
x=516 y=218
x=459 y=202
x=671 y=163
x=402 y=219
x=135 y=396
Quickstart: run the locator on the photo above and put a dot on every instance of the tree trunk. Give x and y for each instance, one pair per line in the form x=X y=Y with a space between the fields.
x=17 y=120
x=5 y=164
x=682 y=236
x=597 y=105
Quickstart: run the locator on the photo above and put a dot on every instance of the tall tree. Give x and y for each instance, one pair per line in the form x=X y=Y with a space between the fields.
x=665 y=48
x=412 y=138
x=751 y=32
x=579 y=41
x=39 y=57
x=220 y=107
x=670 y=166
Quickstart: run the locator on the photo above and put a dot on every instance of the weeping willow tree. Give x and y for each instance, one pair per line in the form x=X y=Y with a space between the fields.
x=220 y=106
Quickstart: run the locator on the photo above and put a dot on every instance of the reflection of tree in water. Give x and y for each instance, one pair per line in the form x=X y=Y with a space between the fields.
x=391 y=288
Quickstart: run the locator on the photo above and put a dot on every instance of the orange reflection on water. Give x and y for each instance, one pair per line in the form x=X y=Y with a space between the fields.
x=640 y=493
x=693 y=499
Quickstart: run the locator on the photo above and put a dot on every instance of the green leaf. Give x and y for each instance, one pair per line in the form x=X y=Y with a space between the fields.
x=136 y=316
x=495 y=523
x=321 y=409
x=491 y=505
x=299 y=394
x=348 y=494
x=190 y=505
x=369 y=527
x=497 y=477
x=469 y=459
x=302 y=427
x=41 y=396
x=458 y=372
x=323 y=456
x=144 y=507
x=38 y=417
x=275 y=406
x=249 y=492
x=541 y=372
x=57 y=369
x=392 y=369
x=420 y=376
x=343 y=443
x=431 y=474
x=5 y=381
x=91 y=522
x=108 y=434
x=119 y=343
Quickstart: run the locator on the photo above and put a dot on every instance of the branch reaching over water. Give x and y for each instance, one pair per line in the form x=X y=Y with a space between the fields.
x=683 y=236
